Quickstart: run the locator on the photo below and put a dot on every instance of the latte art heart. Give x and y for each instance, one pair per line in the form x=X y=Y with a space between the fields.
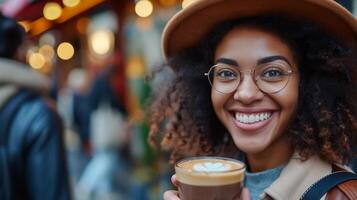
x=211 y=167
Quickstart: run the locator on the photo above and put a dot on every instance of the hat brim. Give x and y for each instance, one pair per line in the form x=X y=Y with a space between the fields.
x=189 y=25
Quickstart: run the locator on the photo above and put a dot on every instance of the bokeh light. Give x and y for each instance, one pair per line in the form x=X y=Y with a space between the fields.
x=65 y=51
x=101 y=41
x=82 y=25
x=47 y=51
x=37 y=61
x=144 y=8
x=71 y=3
x=52 y=11
x=47 y=38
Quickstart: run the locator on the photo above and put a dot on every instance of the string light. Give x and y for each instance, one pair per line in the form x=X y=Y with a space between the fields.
x=37 y=61
x=144 y=8
x=102 y=41
x=52 y=11
x=71 y=3
x=65 y=51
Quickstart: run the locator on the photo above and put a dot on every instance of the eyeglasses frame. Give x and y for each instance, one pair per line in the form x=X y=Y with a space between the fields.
x=251 y=71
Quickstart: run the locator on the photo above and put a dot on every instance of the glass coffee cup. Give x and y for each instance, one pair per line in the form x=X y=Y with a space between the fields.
x=209 y=178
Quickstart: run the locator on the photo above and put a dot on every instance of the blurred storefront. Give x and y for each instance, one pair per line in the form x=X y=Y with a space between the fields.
x=101 y=52
x=98 y=54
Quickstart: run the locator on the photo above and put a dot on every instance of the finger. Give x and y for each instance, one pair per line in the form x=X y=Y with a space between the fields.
x=245 y=194
x=174 y=180
x=171 y=195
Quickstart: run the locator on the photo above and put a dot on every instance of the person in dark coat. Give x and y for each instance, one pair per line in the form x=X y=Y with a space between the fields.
x=34 y=144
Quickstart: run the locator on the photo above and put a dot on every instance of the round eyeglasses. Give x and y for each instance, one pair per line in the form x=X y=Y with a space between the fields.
x=269 y=78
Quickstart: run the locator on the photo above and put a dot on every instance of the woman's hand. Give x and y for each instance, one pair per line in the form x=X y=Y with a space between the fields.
x=245 y=194
x=173 y=194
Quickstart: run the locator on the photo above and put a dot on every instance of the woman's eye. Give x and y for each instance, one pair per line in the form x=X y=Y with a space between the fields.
x=226 y=74
x=272 y=73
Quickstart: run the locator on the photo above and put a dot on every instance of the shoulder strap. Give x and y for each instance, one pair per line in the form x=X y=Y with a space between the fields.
x=321 y=187
x=349 y=188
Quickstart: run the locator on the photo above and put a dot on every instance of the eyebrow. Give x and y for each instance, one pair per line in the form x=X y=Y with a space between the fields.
x=260 y=61
x=271 y=59
x=227 y=61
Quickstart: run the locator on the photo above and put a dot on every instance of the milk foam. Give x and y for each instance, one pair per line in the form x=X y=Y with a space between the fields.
x=211 y=167
x=209 y=171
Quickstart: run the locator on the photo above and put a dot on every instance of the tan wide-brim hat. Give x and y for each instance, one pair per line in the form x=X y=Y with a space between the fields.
x=188 y=26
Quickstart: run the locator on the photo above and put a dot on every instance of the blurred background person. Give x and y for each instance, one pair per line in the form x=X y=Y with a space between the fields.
x=107 y=174
x=97 y=135
x=32 y=161
x=73 y=107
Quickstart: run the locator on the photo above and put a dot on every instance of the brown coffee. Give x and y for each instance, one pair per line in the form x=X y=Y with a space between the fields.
x=209 y=178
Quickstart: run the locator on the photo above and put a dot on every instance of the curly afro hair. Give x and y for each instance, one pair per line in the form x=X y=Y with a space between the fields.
x=183 y=120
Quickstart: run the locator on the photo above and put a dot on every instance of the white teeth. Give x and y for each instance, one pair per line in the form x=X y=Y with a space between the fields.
x=252 y=118
x=261 y=115
x=245 y=118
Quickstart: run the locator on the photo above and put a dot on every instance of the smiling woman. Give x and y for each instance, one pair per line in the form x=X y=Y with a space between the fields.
x=279 y=92
x=272 y=100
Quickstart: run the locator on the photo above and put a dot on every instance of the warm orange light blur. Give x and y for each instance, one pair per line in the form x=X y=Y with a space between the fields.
x=144 y=23
x=36 y=61
x=42 y=24
x=69 y=13
x=101 y=42
x=52 y=11
x=65 y=51
x=39 y=26
x=167 y=2
x=144 y=8
x=26 y=25
x=136 y=67
x=82 y=25
x=29 y=52
x=71 y=3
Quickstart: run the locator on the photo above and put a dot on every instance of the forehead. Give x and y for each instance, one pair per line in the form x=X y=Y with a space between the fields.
x=249 y=44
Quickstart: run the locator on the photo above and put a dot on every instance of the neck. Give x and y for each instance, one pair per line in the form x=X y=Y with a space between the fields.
x=275 y=155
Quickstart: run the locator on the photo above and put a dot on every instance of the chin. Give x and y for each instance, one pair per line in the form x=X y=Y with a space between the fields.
x=250 y=147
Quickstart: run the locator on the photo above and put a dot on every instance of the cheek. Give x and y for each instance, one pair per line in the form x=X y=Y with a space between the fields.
x=218 y=101
x=293 y=94
x=289 y=98
x=215 y=100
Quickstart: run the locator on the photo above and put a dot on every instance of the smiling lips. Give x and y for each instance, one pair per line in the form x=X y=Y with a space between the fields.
x=252 y=121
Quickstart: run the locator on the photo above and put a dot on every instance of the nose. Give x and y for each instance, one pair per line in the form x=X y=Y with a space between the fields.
x=247 y=91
